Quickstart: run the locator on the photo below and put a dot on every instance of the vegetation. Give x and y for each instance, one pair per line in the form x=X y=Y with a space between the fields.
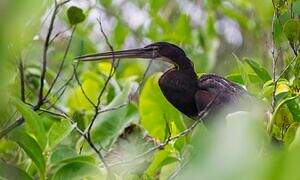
x=62 y=119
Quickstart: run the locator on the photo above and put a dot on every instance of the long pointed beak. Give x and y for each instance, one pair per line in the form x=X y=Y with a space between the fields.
x=147 y=53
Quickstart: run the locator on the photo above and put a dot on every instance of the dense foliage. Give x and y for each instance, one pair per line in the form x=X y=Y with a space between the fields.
x=64 y=119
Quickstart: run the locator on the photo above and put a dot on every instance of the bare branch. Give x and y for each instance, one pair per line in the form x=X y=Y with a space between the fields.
x=22 y=81
x=40 y=102
x=273 y=61
x=81 y=87
x=17 y=123
x=45 y=50
x=61 y=64
x=201 y=115
x=58 y=34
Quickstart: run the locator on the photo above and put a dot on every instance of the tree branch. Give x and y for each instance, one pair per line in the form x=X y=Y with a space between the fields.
x=22 y=81
x=61 y=64
x=200 y=116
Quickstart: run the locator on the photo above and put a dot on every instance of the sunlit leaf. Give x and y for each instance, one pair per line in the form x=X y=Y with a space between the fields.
x=131 y=144
x=59 y=131
x=291 y=30
x=31 y=147
x=296 y=141
x=161 y=158
x=8 y=171
x=33 y=122
x=81 y=158
x=62 y=153
x=156 y=111
x=294 y=107
x=78 y=170
x=237 y=78
x=281 y=5
x=290 y=133
x=261 y=72
x=108 y=125
x=91 y=85
x=75 y=15
x=105 y=68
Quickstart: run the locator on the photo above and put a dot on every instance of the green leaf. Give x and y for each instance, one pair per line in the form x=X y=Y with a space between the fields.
x=290 y=134
x=33 y=122
x=86 y=159
x=161 y=158
x=238 y=78
x=261 y=72
x=156 y=111
x=59 y=131
x=294 y=107
x=108 y=125
x=75 y=15
x=11 y=172
x=31 y=147
x=91 y=84
x=78 y=170
x=296 y=141
x=291 y=30
x=281 y=5
x=130 y=144
x=61 y=154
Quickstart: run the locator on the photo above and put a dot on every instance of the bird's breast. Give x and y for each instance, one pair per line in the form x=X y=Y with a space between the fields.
x=180 y=92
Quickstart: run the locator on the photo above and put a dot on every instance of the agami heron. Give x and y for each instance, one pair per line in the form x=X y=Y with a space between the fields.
x=180 y=84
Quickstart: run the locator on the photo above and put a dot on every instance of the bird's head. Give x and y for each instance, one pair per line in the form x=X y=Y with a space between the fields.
x=160 y=50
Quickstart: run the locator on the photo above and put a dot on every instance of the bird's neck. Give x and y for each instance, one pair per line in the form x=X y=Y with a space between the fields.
x=186 y=66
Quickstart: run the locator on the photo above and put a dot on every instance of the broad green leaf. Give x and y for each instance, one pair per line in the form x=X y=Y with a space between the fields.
x=33 y=122
x=86 y=159
x=11 y=172
x=59 y=131
x=75 y=15
x=61 y=154
x=91 y=84
x=105 y=68
x=281 y=5
x=296 y=141
x=294 y=107
x=130 y=144
x=238 y=78
x=78 y=170
x=291 y=30
x=31 y=147
x=261 y=72
x=120 y=34
x=161 y=158
x=156 y=111
x=182 y=27
x=108 y=125
x=290 y=134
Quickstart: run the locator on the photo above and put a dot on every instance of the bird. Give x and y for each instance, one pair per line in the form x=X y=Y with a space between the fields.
x=181 y=86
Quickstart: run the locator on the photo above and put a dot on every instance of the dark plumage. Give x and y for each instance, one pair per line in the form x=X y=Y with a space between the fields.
x=180 y=84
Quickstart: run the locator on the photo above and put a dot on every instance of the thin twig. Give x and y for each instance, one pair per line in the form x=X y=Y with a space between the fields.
x=15 y=124
x=45 y=50
x=61 y=64
x=40 y=102
x=58 y=34
x=200 y=116
x=81 y=87
x=22 y=81
x=145 y=75
x=273 y=62
x=286 y=68
x=111 y=73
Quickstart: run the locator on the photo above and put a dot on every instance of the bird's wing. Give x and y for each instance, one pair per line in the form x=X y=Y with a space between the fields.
x=202 y=99
x=212 y=86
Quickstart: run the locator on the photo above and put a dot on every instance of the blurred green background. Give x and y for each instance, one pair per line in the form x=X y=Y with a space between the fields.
x=232 y=38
